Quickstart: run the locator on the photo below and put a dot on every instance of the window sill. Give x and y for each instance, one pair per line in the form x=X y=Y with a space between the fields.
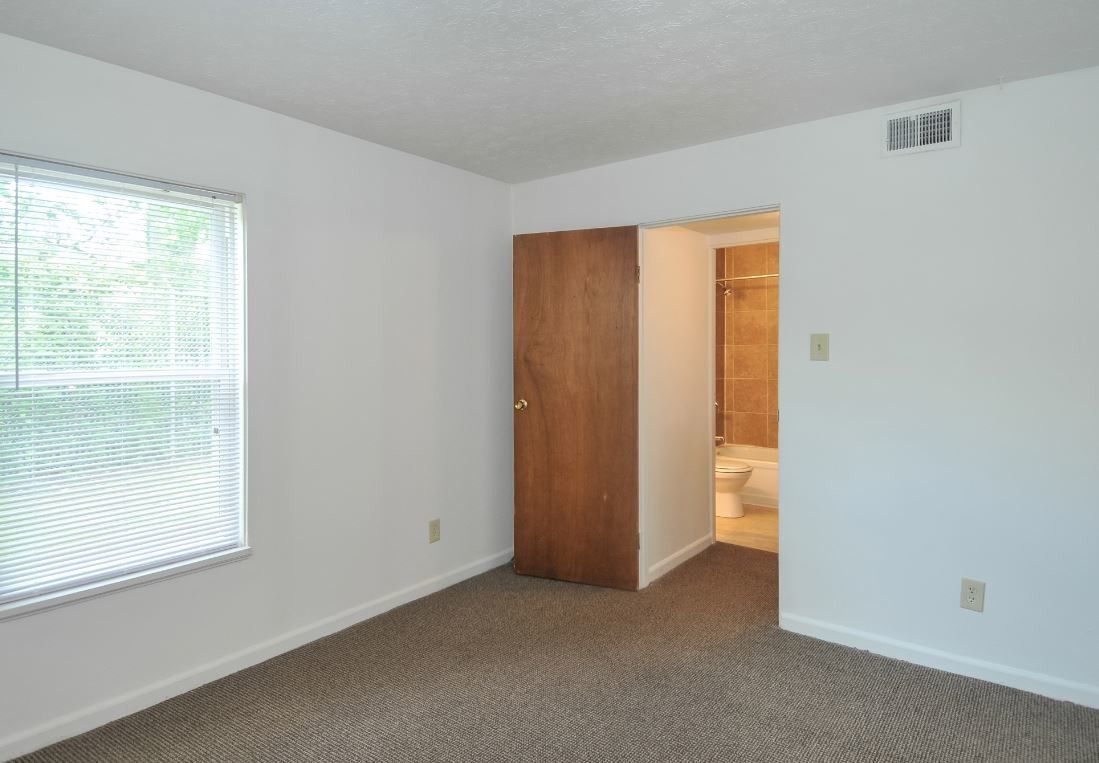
x=48 y=601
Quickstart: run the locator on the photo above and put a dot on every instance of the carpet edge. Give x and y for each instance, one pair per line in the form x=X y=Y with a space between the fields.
x=80 y=721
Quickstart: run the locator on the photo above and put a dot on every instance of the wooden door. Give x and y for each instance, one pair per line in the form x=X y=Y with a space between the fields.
x=576 y=377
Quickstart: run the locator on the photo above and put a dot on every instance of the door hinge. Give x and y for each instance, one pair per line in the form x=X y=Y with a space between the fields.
x=639 y=541
x=639 y=274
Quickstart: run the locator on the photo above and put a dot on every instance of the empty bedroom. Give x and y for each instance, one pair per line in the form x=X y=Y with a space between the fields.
x=562 y=381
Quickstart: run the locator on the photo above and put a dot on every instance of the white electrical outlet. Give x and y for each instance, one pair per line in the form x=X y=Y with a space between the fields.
x=434 y=531
x=973 y=595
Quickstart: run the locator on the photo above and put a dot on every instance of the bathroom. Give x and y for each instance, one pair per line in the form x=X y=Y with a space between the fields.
x=746 y=252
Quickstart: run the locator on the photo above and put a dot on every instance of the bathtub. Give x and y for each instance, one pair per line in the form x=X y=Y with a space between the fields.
x=762 y=487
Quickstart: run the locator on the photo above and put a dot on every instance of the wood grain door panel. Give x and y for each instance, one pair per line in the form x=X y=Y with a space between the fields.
x=576 y=365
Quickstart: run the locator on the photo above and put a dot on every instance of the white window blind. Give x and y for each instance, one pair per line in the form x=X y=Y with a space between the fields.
x=120 y=377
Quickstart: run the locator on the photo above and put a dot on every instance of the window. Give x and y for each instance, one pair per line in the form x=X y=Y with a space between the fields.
x=121 y=386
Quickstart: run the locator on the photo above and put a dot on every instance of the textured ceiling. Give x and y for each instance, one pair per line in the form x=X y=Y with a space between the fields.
x=520 y=89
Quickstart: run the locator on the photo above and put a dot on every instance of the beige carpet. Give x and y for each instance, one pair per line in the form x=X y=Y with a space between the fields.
x=504 y=668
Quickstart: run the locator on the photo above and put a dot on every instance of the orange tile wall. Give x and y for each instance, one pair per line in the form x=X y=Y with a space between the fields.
x=747 y=346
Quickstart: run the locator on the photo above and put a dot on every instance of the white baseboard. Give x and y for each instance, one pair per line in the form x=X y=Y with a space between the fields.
x=1039 y=683
x=669 y=563
x=122 y=705
x=759 y=498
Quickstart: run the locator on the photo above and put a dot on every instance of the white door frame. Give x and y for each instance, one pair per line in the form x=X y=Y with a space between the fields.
x=642 y=561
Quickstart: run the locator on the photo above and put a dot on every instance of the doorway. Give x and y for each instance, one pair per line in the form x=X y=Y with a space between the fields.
x=736 y=475
x=619 y=358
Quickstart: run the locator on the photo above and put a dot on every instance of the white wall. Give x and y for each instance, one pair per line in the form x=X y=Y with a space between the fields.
x=955 y=431
x=379 y=311
x=676 y=420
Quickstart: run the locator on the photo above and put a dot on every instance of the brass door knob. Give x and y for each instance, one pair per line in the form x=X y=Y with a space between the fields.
x=520 y=404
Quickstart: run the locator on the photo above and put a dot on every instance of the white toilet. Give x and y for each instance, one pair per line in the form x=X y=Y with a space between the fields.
x=730 y=476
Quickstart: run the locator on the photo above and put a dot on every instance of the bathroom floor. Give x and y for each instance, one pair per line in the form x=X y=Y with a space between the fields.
x=758 y=528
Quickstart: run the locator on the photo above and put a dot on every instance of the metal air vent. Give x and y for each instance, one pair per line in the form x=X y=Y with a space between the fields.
x=925 y=129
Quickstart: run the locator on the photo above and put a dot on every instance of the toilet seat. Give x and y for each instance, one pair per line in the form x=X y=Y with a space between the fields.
x=730 y=466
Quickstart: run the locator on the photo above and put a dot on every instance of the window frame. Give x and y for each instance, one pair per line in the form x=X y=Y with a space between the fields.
x=125 y=580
